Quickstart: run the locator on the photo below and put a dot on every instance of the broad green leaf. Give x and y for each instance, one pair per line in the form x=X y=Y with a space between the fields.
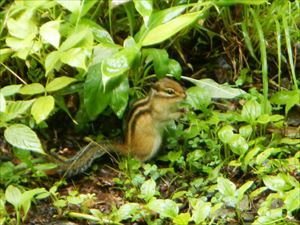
x=79 y=61
x=250 y=156
x=238 y=144
x=175 y=68
x=168 y=29
x=148 y=189
x=42 y=107
x=144 y=8
x=160 y=60
x=13 y=195
x=226 y=133
x=23 y=137
x=287 y=98
x=27 y=198
x=2 y=103
x=119 y=62
x=95 y=99
x=50 y=33
x=251 y=111
x=182 y=219
x=166 y=208
x=226 y=187
x=23 y=26
x=246 y=131
x=16 y=108
x=292 y=199
x=52 y=62
x=263 y=156
x=10 y=89
x=128 y=210
x=103 y=51
x=73 y=6
x=100 y=34
x=119 y=98
x=32 y=89
x=198 y=98
x=277 y=183
x=201 y=211
x=216 y=90
x=59 y=83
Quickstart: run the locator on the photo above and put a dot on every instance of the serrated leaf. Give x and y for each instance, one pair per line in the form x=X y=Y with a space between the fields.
x=13 y=195
x=16 y=108
x=42 y=107
x=168 y=29
x=216 y=90
x=23 y=137
x=166 y=208
x=32 y=89
x=59 y=83
x=50 y=33
x=10 y=89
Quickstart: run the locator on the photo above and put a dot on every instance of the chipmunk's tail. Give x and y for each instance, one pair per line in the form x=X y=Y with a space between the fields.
x=83 y=160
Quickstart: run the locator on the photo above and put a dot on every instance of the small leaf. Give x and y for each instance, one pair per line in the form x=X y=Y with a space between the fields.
x=148 y=189
x=13 y=195
x=10 y=89
x=198 y=98
x=52 y=62
x=144 y=8
x=182 y=219
x=276 y=183
x=292 y=200
x=201 y=211
x=50 y=33
x=168 y=29
x=42 y=107
x=175 y=68
x=226 y=133
x=2 y=103
x=32 y=89
x=79 y=61
x=59 y=83
x=16 y=108
x=251 y=111
x=23 y=137
x=73 y=6
x=238 y=144
x=119 y=98
x=166 y=208
x=128 y=210
x=241 y=191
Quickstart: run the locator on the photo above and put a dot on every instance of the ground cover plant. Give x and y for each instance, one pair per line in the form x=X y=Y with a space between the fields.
x=70 y=69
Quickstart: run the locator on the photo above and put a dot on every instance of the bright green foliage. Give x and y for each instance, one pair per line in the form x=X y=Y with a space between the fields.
x=233 y=158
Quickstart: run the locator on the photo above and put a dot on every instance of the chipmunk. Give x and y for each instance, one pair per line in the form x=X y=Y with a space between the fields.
x=146 y=122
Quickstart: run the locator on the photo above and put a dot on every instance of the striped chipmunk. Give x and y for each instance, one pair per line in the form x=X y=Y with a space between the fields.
x=145 y=124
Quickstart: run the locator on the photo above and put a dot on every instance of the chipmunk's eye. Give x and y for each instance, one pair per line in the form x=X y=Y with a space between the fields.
x=170 y=91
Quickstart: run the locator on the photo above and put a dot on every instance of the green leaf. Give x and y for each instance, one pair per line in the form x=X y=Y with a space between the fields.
x=263 y=156
x=201 y=211
x=16 y=108
x=100 y=34
x=251 y=111
x=119 y=98
x=79 y=61
x=166 y=208
x=216 y=90
x=168 y=29
x=160 y=60
x=128 y=211
x=13 y=195
x=95 y=99
x=23 y=137
x=226 y=133
x=241 y=191
x=52 y=62
x=238 y=144
x=22 y=27
x=175 y=68
x=182 y=219
x=226 y=187
x=287 y=98
x=234 y=2
x=119 y=62
x=246 y=131
x=277 y=183
x=59 y=83
x=42 y=107
x=72 y=6
x=148 y=189
x=292 y=200
x=198 y=98
x=50 y=33
x=10 y=89
x=32 y=89
x=144 y=8
x=2 y=103
x=82 y=38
